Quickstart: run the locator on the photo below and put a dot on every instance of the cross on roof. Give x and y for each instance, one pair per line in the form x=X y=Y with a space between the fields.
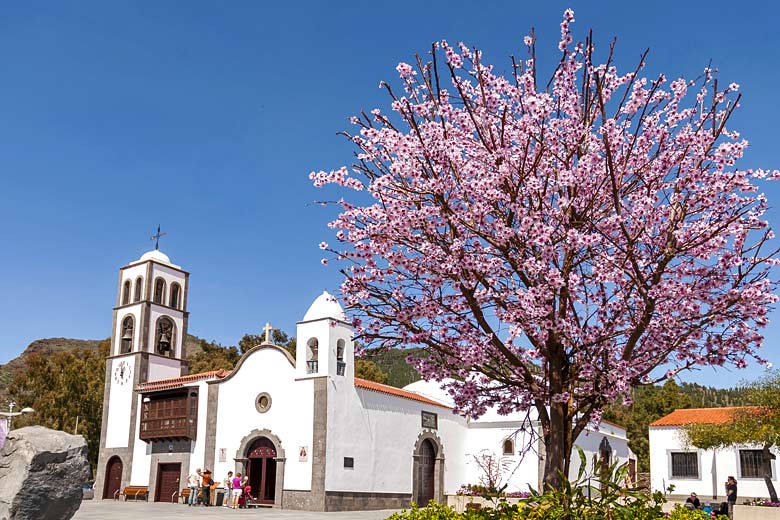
x=156 y=237
x=267 y=330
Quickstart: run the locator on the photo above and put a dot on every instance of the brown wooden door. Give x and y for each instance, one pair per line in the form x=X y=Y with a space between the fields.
x=113 y=477
x=168 y=476
x=427 y=472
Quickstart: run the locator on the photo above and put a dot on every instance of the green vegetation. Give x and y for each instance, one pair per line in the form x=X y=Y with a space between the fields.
x=393 y=363
x=65 y=388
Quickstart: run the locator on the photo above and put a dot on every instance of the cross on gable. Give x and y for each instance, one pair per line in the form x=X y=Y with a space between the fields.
x=267 y=330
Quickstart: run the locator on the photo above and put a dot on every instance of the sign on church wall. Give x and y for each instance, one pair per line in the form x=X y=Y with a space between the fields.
x=430 y=420
x=223 y=454
x=303 y=454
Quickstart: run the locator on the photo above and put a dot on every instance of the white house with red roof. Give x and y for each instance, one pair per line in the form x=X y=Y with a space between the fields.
x=704 y=472
x=307 y=432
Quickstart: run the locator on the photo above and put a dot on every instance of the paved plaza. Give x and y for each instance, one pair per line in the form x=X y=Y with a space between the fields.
x=109 y=509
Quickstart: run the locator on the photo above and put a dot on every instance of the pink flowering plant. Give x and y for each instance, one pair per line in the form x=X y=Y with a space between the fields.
x=552 y=243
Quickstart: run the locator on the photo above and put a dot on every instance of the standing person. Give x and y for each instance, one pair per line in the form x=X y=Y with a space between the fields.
x=228 y=483
x=236 y=493
x=731 y=494
x=193 y=482
x=205 y=488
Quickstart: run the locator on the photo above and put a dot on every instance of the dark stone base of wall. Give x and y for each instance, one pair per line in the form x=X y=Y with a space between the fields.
x=358 y=501
x=302 y=500
x=344 y=500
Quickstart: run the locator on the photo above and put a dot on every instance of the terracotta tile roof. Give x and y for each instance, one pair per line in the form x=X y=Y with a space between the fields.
x=178 y=382
x=698 y=416
x=391 y=390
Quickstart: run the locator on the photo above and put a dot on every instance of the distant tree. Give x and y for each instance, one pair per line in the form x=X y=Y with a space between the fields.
x=65 y=388
x=278 y=337
x=757 y=425
x=552 y=243
x=213 y=356
x=650 y=403
x=369 y=370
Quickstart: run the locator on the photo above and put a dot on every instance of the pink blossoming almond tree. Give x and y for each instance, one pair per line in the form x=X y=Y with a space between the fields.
x=552 y=244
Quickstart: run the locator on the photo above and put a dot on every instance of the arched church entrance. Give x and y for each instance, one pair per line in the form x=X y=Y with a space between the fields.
x=428 y=470
x=113 y=478
x=261 y=470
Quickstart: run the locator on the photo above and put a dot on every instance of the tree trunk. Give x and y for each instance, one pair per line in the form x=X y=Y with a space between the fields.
x=768 y=457
x=557 y=442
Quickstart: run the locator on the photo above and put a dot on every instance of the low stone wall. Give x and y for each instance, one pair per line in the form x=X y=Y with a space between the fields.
x=458 y=502
x=740 y=512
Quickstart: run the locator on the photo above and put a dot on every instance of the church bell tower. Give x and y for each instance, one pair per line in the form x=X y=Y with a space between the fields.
x=147 y=344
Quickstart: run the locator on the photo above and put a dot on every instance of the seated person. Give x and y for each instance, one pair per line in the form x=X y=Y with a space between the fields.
x=694 y=501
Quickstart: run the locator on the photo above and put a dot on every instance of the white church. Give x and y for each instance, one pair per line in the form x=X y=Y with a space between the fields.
x=306 y=431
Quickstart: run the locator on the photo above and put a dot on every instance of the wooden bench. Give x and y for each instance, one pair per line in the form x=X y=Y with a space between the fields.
x=184 y=494
x=134 y=492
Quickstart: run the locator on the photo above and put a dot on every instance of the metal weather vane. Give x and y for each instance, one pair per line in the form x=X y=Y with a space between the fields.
x=156 y=237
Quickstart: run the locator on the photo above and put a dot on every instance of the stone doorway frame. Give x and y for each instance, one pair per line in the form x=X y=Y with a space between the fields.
x=242 y=460
x=438 y=468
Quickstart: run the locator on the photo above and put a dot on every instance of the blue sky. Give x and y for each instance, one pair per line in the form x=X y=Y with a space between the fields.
x=207 y=117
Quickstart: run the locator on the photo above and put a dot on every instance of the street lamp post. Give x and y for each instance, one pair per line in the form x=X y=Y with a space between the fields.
x=10 y=414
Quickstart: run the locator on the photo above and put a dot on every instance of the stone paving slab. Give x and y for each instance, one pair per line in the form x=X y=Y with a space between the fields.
x=116 y=510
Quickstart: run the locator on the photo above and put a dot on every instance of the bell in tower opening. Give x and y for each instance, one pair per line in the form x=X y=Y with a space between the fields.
x=164 y=337
x=127 y=335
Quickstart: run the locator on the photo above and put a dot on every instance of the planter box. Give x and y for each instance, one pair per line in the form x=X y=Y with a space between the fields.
x=741 y=512
x=458 y=502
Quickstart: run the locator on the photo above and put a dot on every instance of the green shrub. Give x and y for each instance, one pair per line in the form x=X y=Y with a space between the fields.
x=683 y=513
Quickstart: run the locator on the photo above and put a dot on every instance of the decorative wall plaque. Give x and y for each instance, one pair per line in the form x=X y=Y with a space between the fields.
x=430 y=420
x=303 y=454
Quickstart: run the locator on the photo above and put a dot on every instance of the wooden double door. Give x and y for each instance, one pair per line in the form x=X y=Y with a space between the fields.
x=261 y=470
x=168 y=480
x=427 y=473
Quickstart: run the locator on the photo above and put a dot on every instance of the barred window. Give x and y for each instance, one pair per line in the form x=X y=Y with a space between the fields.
x=685 y=465
x=751 y=463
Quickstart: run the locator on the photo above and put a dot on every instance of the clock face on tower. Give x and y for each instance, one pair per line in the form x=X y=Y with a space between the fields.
x=123 y=372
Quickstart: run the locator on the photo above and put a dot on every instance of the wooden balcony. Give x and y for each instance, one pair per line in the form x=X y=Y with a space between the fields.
x=168 y=416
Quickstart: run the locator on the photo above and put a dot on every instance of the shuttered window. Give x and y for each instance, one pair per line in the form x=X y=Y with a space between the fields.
x=685 y=465
x=751 y=463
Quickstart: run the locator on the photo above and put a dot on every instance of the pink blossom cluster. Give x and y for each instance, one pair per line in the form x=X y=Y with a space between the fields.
x=554 y=244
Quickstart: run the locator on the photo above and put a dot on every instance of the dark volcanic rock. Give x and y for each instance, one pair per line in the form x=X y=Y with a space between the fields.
x=41 y=473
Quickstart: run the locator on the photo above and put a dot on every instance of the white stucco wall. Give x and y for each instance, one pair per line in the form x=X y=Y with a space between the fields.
x=487 y=437
x=379 y=432
x=289 y=418
x=161 y=367
x=119 y=405
x=198 y=452
x=142 y=455
x=714 y=468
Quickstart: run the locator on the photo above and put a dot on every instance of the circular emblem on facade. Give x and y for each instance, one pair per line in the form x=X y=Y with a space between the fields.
x=123 y=372
x=263 y=402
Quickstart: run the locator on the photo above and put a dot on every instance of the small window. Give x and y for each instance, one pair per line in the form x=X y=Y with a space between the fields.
x=509 y=447
x=126 y=293
x=349 y=462
x=685 y=465
x=139 y=284
x=175 y=290
x=263 y=402
x=341 y=366
x=312 y=356
x=159 y=290
x=751 y=463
